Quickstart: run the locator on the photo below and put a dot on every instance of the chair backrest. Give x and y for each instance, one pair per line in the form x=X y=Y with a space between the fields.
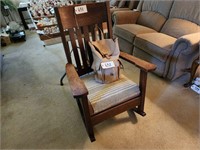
x=78 y=29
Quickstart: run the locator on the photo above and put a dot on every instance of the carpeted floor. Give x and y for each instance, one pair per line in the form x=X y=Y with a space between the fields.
x=38 y=113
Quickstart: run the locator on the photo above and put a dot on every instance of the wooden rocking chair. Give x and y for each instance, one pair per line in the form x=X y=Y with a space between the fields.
x=97 y=102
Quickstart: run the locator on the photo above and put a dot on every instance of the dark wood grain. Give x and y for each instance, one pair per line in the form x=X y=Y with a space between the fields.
x=74 y=48
x=76 y=84
x=81 y=47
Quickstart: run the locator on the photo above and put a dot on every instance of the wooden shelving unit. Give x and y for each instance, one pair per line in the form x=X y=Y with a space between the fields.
x=45 y=21
x=46 y=31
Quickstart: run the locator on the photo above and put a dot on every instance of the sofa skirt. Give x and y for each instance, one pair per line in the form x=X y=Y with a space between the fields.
x=125 y=46
x=160 y=70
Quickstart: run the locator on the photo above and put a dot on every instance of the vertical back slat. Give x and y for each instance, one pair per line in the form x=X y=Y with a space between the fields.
x=82 y=49
x=87 y=47
x=109 y=22
x=91 y=30
x=63 y=37
x=101 y=28
x=75 y=48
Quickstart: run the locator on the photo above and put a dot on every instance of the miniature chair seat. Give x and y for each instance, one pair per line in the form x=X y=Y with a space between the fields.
x=97 y=102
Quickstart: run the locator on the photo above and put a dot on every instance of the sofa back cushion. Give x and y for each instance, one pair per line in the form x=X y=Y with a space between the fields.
x=154 y=13
x=178 y=27
x=187 y=10
x=183 y=19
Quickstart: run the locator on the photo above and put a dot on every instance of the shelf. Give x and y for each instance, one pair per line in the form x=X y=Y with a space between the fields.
x=31 y=26
x=39 y=18
x=44 y=37
x=42 y=27
x=39 y=12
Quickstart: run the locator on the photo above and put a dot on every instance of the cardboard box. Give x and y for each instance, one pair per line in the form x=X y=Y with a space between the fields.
x=5 y=38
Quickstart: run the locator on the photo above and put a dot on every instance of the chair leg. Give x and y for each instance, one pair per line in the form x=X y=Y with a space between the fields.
x=141 y=112
x=91 y=135
x=61 y=79
x=143 y=83
x=85 y=114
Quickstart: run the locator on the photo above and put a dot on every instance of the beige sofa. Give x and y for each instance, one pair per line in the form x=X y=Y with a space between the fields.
x=166 y=33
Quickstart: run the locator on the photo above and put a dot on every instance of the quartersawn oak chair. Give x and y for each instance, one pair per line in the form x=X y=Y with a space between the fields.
x=97 y=102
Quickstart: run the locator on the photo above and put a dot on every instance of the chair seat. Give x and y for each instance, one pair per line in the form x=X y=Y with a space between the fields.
x=104 y=96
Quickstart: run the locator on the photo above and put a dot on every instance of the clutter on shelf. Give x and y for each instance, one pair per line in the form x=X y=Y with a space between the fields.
x=46 y=22
x=13 y=27
x=44 y=8
x=13 y=32
x=51 y=30
x=42 y=14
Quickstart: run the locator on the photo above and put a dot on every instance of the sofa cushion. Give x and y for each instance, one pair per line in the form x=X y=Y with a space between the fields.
x=178 y=27
x=151 y=19
x=129 y=31
x=154 y=13
x=187 y=10
x=156 y=44
x=159 y=6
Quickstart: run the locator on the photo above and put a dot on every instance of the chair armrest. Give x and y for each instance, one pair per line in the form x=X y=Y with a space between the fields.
x=187 y=44
x=144 y=65
x=77 y=86
x=125 y=17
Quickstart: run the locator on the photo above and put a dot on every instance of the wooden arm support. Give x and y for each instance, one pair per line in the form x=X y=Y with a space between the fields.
x=144 y=65
x=76 y=84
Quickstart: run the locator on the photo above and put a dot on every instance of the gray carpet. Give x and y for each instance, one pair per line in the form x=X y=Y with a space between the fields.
x=38 y=113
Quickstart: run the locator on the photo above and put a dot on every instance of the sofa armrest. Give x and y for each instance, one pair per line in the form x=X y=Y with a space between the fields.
x=187 y=43
x=77 y=86
x=184 y=52
x=125 y=17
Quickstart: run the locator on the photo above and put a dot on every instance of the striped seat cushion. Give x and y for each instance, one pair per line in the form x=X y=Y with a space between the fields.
x=103 y=96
